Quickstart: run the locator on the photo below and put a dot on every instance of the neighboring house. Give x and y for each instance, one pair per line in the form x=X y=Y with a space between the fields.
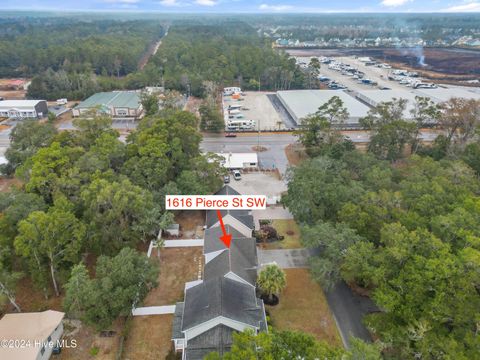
x=118 y=104
x=38 y=332
x=33 y=109
x=225 y=300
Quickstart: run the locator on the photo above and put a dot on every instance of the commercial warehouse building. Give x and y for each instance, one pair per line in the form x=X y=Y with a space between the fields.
x=33 y=109
x=375 y=97
x=118 y=104
x=301 y=103
x=445 y=94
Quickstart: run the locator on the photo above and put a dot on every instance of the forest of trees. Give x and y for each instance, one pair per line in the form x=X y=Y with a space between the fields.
x=29 y=47
x=76 y=58
x=226 y=52
x=401 y=222
x=86 y=193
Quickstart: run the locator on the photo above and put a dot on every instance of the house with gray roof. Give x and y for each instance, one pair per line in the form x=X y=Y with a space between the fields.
x=118 y=104
x=225 y=300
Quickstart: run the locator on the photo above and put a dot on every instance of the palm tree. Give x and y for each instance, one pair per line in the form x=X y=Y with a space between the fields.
x=271 y=280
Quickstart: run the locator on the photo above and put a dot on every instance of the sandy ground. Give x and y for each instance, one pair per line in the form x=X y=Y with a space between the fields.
x=259 y=183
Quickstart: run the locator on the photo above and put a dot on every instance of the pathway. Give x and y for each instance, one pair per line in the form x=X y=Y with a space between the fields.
x=286 y=259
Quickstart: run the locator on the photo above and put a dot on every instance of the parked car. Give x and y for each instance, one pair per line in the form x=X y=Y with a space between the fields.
x=237 y=175
x=226 y=179
x=230 y=134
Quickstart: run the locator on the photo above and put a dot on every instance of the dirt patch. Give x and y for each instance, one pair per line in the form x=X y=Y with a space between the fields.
x=13 y=94
x=89 y=342
x=303 y=307
x=177 y=266
x=6 y=184
x=150 y=338
x=191 y=223
x=295 y=154
x=31 y=299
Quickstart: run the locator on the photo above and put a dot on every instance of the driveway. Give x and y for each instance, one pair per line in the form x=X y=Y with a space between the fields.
x=349 y=309
x=286 y=259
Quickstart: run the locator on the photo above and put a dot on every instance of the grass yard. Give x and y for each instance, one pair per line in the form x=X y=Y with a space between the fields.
x=149 y=338
x=303 y=307
x=290 y=230
x=295 y=154
x=177 y=266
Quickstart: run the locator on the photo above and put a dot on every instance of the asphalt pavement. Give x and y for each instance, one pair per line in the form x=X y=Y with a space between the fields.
x=273 y=157
x=348 y=310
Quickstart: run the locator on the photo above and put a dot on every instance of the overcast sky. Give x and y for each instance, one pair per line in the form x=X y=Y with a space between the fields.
x=266 y=6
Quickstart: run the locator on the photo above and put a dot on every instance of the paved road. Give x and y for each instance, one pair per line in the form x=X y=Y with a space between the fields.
x=349 y=309
x=286 y=259
x=274 y=157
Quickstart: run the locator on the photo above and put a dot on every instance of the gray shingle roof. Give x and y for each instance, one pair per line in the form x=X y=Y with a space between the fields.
x=212 y=238
x=221 y=297
x=241 y=215
x=227 y=190
x=240 y=259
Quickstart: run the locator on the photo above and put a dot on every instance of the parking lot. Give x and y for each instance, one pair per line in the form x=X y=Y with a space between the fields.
x=378 y=75
x=257 y=106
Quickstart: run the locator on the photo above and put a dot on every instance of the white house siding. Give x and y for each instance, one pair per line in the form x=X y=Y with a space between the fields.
x=232 y=276
x=54 y=337
x=200 y=329
x=210 y=256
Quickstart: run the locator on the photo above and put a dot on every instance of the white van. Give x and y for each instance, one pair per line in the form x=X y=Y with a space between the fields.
x=62 y=101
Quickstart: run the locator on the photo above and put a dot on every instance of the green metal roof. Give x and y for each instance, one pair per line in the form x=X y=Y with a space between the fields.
x=128 y=99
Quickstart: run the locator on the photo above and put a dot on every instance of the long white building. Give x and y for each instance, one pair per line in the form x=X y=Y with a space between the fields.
x=34 y=109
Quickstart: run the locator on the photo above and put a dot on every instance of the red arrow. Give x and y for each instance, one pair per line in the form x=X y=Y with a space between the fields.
x=226 y=238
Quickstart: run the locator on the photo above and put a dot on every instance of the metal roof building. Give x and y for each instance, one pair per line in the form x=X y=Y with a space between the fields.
x=375 y=97
x=301 y=103
x=115 y=103
x=445 y=94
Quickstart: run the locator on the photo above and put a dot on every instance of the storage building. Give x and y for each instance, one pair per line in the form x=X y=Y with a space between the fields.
x=301 y=103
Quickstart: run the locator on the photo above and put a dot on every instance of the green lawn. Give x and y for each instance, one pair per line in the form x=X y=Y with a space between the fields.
x=291 y=241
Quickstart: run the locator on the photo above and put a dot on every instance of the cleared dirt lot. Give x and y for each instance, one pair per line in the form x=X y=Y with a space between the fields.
x=177 y=266
x=259 y=183
x=149 y=338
